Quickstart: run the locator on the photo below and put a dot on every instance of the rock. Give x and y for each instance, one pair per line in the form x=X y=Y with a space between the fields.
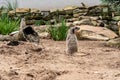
x=86 y=20
x=76 y=15
x=52 y=21
x=42 y=28
x=75 y=11
x=72 y=19
x=45 y=13
x=69 y=12
x=83 y=22
x=101 y=23
x=113 y=27
x=96 y=10
x=116 y=18
x=94 y=22
x=22 y=10
x=83 y=17
x=69 y=24
x=86 y=34
x=44 y=35
x=30 y=22
x=68 y=16
x=11 y=13
x=70 y=8
x=61 y=12
x=90 y=17
x=5 y=38
x=13 y=43
x=33 y=10
x=33 y=16
x=96 y=32
x=79 y=12
x=94 y=18
x=113 y=42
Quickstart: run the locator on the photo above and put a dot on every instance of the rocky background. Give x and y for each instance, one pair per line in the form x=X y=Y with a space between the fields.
x=97 y=22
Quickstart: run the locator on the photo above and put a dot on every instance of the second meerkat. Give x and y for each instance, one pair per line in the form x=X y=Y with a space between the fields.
x=71 y=40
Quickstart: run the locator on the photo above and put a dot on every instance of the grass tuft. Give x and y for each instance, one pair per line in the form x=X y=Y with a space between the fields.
x=59 y=33
x=8 y=25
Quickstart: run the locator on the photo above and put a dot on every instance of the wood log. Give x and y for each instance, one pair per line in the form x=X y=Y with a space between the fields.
x=26 y=34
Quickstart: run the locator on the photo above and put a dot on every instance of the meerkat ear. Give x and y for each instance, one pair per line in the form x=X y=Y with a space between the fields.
x=77 y=28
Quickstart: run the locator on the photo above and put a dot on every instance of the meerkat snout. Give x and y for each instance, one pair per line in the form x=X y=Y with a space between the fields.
x=71 y=40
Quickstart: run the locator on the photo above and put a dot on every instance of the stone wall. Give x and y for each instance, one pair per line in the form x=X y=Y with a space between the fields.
x=67 y=12
x=98 y=15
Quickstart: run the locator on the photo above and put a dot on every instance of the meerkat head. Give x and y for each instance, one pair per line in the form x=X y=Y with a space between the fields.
x=22 y=19
x=74 y=29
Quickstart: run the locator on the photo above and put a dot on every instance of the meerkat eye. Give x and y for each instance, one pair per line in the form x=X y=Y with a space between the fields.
x=77 y=28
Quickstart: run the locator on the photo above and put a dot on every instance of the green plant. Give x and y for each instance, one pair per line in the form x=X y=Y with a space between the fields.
x=39 y=22
x=59 y=33
x=8 y=25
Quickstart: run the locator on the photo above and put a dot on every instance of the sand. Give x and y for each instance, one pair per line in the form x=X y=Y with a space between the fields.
x=93 y=61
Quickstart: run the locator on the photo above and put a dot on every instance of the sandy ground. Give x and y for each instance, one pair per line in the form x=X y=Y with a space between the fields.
x=93 y=61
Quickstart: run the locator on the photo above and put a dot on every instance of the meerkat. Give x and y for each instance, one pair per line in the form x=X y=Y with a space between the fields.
x=71 y=40
x=22 y=23
x=118 y=27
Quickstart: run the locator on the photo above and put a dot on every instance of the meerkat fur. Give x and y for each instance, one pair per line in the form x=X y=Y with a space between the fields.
x=22 y=23
x=71 y=41
x=118 y=27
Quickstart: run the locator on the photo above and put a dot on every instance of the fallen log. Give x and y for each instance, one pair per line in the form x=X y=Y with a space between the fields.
x=26 y=34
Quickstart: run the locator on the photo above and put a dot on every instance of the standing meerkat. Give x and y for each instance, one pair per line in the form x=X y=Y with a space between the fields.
x=71 y=40
x=22 y=23
x=118 y=27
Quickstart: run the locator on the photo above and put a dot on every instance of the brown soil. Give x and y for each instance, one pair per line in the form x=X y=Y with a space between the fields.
x=93 y=61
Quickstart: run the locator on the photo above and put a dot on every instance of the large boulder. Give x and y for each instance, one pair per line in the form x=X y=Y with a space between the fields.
x=113 y=42
x=90 y=35
x=95 y=33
